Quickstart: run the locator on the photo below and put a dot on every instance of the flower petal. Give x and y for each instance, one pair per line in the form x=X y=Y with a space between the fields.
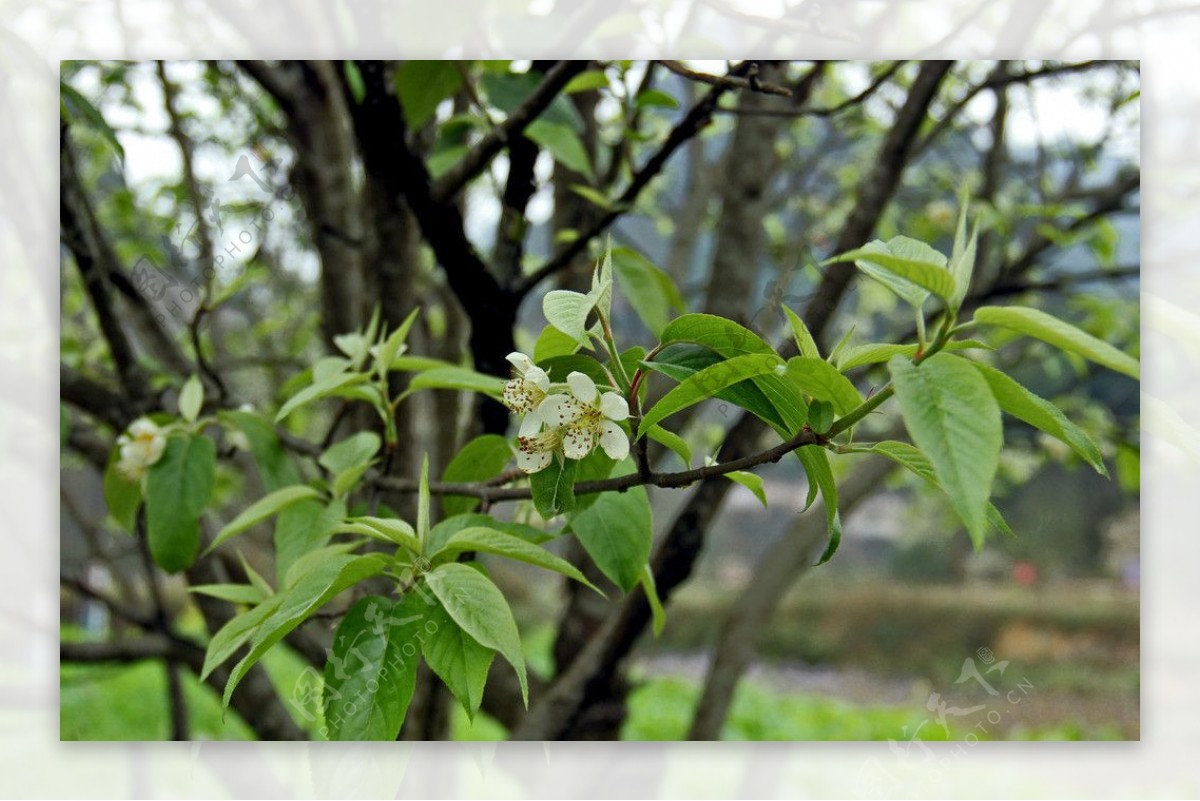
x=533 y=461
x=577 y=442
x=613 y=406
x=538 y=376
x=614 y=441
x=582 y=387
x=559 y=410
x=530 y=425
x=520 y=362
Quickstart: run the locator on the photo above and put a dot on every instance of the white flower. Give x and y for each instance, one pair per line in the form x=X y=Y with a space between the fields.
x=140 y=446
x=536 y=446
x=587 y=417
x=528 y=389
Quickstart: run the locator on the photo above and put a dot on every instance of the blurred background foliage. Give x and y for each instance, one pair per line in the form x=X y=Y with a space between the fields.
x=195 y=164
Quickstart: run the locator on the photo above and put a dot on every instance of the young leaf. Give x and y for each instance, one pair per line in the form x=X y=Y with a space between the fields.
x=315 y=559
x=551 y=343
x=355 y=450
x=563 y=143
x=234 y=593
x=303 y=528
x=877 y=352
x=456 y=378
x=591 y=79
x=805 y=344
x=443 y=531
x=480 y=459
x=235 y=633
x=393 y=346
x=421 y=86
x=191 y=398
x=274 y=467
x=616 y=531
x=457 y=659
x=751 y=481
x=490 y=540
x=656 y=98
x=650 y=291
x=953 y=417
x=122 y=496
x=1063 y=335
x=479 y=608
x=707 y=382
x=568 y=311
x=388 y=529
x=262 y=509
x=820 y=379
x=423 y=502
x=317 y=390
x=816 y=465
x=657 y=614
x=962 y=258
x=372 y=668
x=298 y=602
x=673 y=441
x=909 y=268
x=554 y=488
x=178 y=487
x=1041 y=414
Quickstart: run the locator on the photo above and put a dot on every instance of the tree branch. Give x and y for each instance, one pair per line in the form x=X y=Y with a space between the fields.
x=821 y=111
x=479 y=156
x=692 y=123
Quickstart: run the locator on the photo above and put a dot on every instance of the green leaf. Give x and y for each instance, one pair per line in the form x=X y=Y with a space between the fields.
x=568 y=311
x=953 y=417
x=480 y=459
x=1041 y=414
x=508 y=90
x=602 y=284
x=751 y=481
x=816 y=465
x=178 y=487
x=122 y=496
x=234 y=593
x=909 y=268
x=457 y=659
x=423 y=85
x=316 y=558
x=1065 y=336
x=593 y=196
x=301 y=529
x=554 y=488
x=805 y=344
x=354 y=450
x=585 y=81
x=423 y=502
x=820 y=379
x=875 y=353
x=563 y=143
x=493 y=541
x=456 y=378
x=658 y=616
x=616 y=531
x=317 y=390
x=962 y=257
x=820 y=416
x=788 y=410
x=680 y=361
x=76 y=107
x=911 y=457
x=298 y=602
x=354 y=80
x=275 y=469
x=393 y=346
x=552 y=343
x=479 y=608
x=388 y=529
x=443 y=531
x=559 y=367
x=673 y=441
x=234 y=634
x=262 y=509
x=706 y=383
x=255 y=579
x=656 y=98
x=650 y=291
x=191 y=398
x=372 y=668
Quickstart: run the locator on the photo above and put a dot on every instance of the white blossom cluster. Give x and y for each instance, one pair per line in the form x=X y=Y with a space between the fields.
x=569 y=422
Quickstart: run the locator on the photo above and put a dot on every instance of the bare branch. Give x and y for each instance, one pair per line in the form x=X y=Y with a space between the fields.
x=692 y=123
